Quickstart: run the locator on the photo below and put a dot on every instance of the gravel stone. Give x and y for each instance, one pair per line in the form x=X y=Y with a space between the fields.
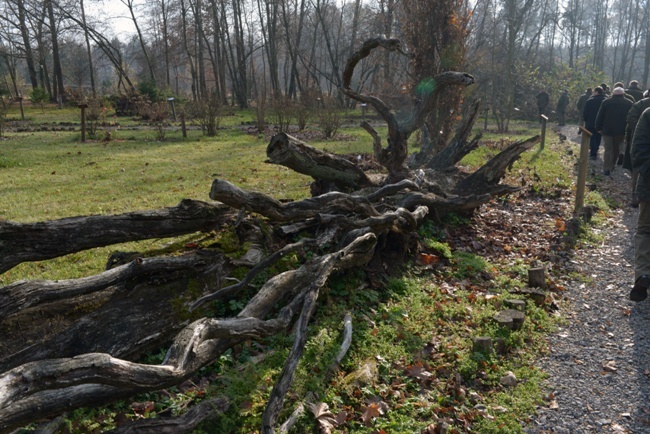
x=603 y=328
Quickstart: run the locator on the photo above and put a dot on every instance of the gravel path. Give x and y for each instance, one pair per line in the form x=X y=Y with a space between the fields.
x=599 y=361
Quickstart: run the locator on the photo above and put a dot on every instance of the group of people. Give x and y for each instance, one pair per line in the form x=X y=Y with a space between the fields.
x=620 y=119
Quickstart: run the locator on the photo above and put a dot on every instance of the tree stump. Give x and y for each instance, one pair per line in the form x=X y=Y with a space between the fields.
x=537 y=277
x=537 y=295
x=510 y=318
x=519 y=305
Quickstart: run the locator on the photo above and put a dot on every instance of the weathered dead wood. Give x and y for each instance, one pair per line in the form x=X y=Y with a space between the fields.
x=274 y=405
x=393 y=157
x=291 y=421
x=329 y=203
x=185 y=423
x=141 y=317
x=456 y=149
x=485 y=179
x=31 y=293
x=265 y=263
x=443 y=205
x=288 y=151
x=23 y=242
x=345 y=345
x=48 y=387
x=376 y=140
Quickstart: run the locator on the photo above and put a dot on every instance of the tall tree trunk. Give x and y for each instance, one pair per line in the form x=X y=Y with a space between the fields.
x=165 y=30
x=27 y=43
x=59 y=90
x=152 y=75
x=190 y=57
x=90 y=54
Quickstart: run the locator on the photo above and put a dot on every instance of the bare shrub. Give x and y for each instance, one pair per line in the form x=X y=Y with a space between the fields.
x=207 y=113
x=305 y=108
x=283 y=111
x=329 y=117
x=260 y=115
x=95 y=116
x=156 y=114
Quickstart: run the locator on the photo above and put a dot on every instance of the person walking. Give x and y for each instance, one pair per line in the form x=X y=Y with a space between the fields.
x=634 y=90
x=580 y=105
x=589 y=114
x=561 y=106
x=611 y=123
x=641 y=163
x=632 y=120
x=543 y=100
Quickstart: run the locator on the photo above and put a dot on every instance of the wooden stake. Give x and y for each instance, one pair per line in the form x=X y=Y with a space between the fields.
x=582 y=170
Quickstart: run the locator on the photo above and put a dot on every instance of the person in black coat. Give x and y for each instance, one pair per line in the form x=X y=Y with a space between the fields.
x=634 y=90
x=641 y=163
x=560 y=109
x=611 y=123
x=580 y=105
x=589 y=114
x=543 y=100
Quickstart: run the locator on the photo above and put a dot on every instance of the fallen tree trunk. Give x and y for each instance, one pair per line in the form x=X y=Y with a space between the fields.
x=50 y=386
x=23 y=242
x=294 y=154
x=133 y=319
x=488 y=176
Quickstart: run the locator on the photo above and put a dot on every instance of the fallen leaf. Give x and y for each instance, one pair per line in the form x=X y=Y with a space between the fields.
x=418 y=371
x=325 y=418
x=373 y=410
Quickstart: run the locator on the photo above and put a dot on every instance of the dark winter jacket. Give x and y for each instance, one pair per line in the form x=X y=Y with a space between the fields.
x=580 y=104
x=562 y=103
x=632 y=119
x=611 y=118
x=636 y=111
x=641 y=156
x=542 y=99
x=590 y=111
x=635 y=92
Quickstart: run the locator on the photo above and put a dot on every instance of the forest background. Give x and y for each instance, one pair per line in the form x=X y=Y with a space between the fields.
x=251 y=52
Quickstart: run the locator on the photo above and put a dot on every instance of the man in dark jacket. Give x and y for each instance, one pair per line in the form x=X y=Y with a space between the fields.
x=611 y=122
x=641 y=162
x=562 y=104
x=589 y=114
x=634 y=90
x=632 y=120
x=580 y=105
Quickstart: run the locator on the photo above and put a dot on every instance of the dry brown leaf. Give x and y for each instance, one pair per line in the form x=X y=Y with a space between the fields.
x=418 y=371
x=326 y=420
x=373 y=410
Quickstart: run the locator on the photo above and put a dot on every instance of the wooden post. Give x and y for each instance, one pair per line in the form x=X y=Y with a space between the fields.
x=543 y=140
x=83 y=121
x=487 y=110
x=582 y=169
x=183 y=127
x=22 y=111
